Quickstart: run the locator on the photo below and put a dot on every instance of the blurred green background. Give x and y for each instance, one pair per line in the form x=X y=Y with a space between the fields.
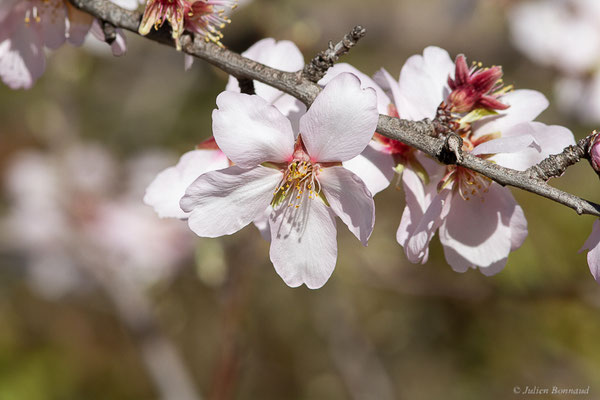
x=381 y=328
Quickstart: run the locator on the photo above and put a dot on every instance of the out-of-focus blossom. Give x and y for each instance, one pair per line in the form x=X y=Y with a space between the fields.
x=68 y=214
x=203 y=17
x=479 y=221
x=595 y=152
x=298 y=178
x=118 y=45
x=30 y=26
x=564 y=34
x=168 y=188
x=592 y=244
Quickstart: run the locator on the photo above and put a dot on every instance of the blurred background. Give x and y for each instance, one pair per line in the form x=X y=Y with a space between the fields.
x=101 y=299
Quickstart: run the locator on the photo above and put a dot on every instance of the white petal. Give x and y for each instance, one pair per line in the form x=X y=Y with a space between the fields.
x=548 y=139
x=22 y=59
x=350 y=199
x=417 y=246
x=341 y=121
x=170 y=185
x=223 y=202
x=283 y=55
x=375 y=168
x=304 y=247
x=416 y=204
x=423 y=83
x=510 y=144
x=480 y=233
x=251 y=131
x=262 y=223
x=593 y=256
x=525 y=106
x=383 y=100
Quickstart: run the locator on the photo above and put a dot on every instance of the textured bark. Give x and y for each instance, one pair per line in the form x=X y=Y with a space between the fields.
x=422 y=135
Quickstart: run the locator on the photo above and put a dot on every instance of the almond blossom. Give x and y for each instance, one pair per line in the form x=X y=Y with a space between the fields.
x=564 y=35
x=203 y=17
x=66 y=214
x=167 y=189
x=298 y=178
x=169 y=186
x=479 y=221
x=29 y=26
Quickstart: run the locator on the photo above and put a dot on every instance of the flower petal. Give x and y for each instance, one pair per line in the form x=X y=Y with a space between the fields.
x=169 y=186
x=423 y=83
x=350 y=199
x=22 y=59
x=383 y=101
x=417 y=246
x=79 y=25
x=304 y=246
x=525 y=106
x=341 y=121
x=262 y=223
x=593 y=255
x=251 y=131
x=549 y=140
x=283 y=55
x=416 y=204
x=53 y=14
x=375 y=168
x=511 y=144
x=223 y=202
x=480 y=233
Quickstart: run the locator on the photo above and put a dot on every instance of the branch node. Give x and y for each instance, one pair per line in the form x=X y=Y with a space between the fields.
x=110 y=32
x=246 y=85
x=451 y=150
x=317 y=68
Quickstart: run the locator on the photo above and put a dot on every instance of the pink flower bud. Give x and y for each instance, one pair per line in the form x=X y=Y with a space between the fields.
x=594 y=152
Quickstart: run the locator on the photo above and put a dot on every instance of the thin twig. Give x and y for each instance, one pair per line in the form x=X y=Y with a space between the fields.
x=417 y=134
x=317 y=68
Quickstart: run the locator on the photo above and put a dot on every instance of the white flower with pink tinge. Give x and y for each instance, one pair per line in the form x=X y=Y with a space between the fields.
x=479 y=221
x=27 y=26
x=593 y=256
x=298 y=178
x=169 y=186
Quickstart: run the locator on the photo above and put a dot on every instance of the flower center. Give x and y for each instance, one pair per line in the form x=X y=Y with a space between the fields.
x=299 y=181
x=467 y=183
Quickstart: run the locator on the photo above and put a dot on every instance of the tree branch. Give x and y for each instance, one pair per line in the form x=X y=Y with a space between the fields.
x=419 y=134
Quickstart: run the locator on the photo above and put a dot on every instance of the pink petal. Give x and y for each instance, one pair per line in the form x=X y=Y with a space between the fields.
x=262 y=223
x=383 y=100
x=188 y=61
x=223 y=202
x=416 y=203
x=375 y=168
x=391 y=85
x=417 y=246
x=525 y=106
x=251 y=131
x=350 y=199
x=510 y=144
x=549 y=140
x=304 y=247
x=480 y=233
x=423 y=83
x=169 y=186
x=593 y=255
x=341 y=121
x=79 y=25
x=119 y=46
x=22 y=59
x=53 y=14
x=283 y=55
